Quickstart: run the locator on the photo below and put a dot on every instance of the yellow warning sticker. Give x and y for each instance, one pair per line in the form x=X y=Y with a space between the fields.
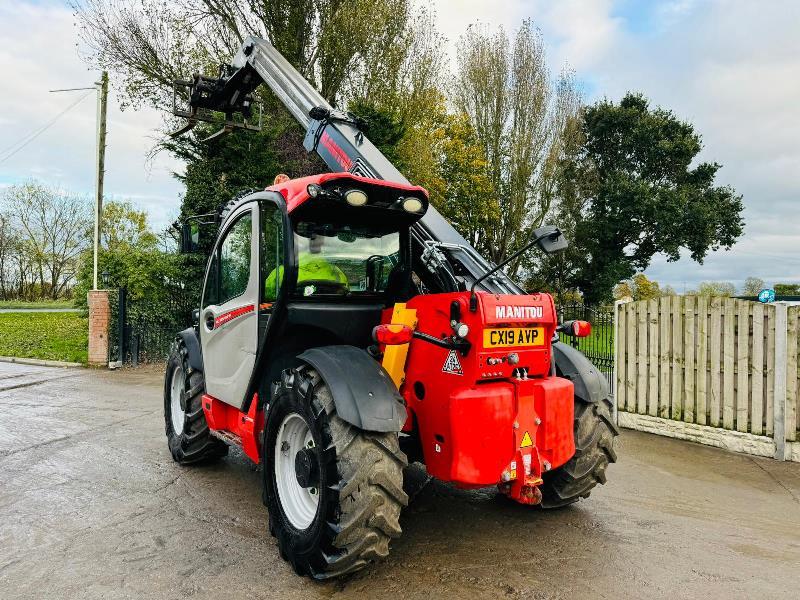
x=526 y=440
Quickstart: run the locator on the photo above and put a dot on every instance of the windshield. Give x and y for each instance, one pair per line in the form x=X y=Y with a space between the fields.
x=335 y=259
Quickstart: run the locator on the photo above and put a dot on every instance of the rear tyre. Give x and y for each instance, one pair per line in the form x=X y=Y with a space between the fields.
x=594 y=451
x=189 y=439
x=334 y=492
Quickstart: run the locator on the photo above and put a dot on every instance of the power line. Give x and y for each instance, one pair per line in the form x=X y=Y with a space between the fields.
x=25 y=140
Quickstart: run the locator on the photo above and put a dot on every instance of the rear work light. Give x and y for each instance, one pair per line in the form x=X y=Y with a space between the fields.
x=355 y=197
x=576 y=328
x=392 y=335
x=412 y=205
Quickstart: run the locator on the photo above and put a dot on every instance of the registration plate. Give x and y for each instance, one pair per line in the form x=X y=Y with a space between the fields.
x=513 y=336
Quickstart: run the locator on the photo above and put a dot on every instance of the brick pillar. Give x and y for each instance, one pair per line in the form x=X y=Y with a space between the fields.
x=99 y=321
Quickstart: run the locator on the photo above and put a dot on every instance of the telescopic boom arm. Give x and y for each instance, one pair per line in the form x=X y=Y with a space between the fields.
x=337 y=137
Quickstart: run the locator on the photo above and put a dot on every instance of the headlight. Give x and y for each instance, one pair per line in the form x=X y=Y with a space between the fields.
x=355 y=197
x=412 y=205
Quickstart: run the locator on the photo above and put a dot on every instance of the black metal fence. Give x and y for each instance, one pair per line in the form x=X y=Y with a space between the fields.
x=142 y=331
x=599 y=346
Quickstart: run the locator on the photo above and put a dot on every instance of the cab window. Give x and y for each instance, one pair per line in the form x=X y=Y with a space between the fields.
x=342 y=260
x=210 y=294
x=234 y=259
x=272 y=254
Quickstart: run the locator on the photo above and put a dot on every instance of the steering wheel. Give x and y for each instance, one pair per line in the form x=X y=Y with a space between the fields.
x=324 y=286
x=374 y=269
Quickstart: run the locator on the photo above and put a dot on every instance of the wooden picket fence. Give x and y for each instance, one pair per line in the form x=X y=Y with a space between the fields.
x=718 y=363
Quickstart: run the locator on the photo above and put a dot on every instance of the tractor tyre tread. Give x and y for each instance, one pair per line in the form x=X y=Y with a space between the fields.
x=365 y=489
x=594 y=450
x=195 y=444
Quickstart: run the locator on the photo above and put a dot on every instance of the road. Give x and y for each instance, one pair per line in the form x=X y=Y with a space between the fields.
x=92 y=506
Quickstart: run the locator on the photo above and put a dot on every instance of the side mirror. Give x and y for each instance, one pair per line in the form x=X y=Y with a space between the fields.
x=190 y=237
x=550 y=239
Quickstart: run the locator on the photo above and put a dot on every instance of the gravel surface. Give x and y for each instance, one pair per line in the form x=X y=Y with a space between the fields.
x=92 y=506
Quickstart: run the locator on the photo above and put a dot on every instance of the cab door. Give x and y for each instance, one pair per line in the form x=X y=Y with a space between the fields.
x=229 y=309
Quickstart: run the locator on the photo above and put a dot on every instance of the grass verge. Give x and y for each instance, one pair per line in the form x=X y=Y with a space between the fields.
x=600 y=341
x=12 y=304
x=46 y=336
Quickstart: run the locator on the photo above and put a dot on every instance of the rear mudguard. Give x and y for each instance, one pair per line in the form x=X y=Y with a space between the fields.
x=590 y=384
x=192 y=342
x=363 y=392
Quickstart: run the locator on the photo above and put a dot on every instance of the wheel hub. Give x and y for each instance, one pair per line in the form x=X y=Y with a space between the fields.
x=177 y=401
x=297 y=473
x=305 y=468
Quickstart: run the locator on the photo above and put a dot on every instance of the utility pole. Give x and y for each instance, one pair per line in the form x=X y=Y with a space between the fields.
x=102 y=106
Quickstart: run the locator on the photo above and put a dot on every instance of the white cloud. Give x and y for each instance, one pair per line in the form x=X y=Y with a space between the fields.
x=732 y=68
x=579 y=31
x=37 y=53
x=454 y=16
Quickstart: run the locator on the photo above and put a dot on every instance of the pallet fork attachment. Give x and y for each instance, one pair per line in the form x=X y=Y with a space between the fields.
x=200 y=94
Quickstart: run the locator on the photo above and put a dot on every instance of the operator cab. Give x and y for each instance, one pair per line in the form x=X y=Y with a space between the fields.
x=305 y=263
x=350 y=238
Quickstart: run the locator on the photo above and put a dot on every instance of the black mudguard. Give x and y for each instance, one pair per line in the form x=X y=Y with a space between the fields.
x=363 y=392
x=192 y=341
x=590 y=384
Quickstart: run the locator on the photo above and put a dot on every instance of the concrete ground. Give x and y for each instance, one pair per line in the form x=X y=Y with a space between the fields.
x=92 y=506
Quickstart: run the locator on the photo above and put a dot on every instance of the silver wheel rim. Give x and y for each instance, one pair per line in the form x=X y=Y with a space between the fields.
x=176 y=413
x=299 y=504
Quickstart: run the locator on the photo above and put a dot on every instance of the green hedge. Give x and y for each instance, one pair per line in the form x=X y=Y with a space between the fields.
x=46 y=335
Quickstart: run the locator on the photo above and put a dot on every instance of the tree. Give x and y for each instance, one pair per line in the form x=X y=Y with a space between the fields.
x=403 y=79
x=385 y=127
x=558 y=271
x=51 y=230
x=752 y=286
x=518 y=113
x=130 y=254
x=8 y=245
x=722 y=289
x=668 y=290
x=336 y=45
x=641 y=196
x=123 y=226
x=378 y=54
x=787 y=289
x=638 y=287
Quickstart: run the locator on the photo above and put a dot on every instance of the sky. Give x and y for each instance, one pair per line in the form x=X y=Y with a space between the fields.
x=730 y=67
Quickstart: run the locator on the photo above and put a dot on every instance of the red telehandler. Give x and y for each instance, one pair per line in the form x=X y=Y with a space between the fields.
x=345 y=329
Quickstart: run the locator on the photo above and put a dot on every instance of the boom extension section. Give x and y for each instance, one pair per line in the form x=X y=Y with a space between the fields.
x=447 y=260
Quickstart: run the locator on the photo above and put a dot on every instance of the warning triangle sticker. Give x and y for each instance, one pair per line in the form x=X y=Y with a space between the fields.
x=526 y=441
x=452 y=365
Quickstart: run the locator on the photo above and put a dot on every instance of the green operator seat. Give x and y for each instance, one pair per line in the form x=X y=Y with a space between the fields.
x=313 y=270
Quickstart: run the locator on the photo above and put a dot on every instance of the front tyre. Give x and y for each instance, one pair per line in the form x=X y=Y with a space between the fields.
x=334 y=492
x=189 y=439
